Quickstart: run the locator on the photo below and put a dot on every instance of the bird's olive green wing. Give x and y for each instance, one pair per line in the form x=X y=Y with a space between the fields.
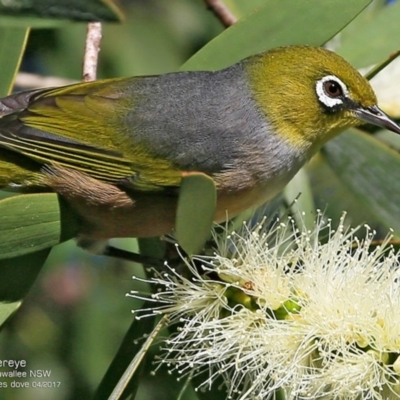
x=82 y=127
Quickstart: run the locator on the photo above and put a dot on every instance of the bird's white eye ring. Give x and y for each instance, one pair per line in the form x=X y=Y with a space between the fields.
x=331 y=90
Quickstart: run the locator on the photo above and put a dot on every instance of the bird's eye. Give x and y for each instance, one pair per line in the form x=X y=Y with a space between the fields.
x=333 y=89
x=331 y=92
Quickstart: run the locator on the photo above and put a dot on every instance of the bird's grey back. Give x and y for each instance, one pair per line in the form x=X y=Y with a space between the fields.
x=199 y=120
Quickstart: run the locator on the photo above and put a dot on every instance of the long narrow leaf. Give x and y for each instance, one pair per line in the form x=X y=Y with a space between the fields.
x=369 y=169
x=277 y=23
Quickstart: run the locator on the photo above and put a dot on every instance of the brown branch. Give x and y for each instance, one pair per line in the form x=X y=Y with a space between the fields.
x=93 y=39
x=221 y=11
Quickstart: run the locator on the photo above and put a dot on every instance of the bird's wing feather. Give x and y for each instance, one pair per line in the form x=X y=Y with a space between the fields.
x=79 y=127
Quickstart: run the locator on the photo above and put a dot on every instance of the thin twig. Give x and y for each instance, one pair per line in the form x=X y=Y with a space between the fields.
x=379 y=67
x=129 y=372
x=221 y=11
x=93 y=39
x=26 y=80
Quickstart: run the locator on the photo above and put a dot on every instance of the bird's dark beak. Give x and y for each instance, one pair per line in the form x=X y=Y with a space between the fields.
x=374 y=115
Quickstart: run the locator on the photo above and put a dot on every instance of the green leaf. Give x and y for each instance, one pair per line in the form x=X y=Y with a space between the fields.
x=195 y=212
x=7 y=309
x=32 y=222
x=132 y=371
x=12 y=45
x=278 y=23
x=17 y=276
x=369 y=169
x=7 y=21
x=382 y=65
x=299 y=193
x=127 y=351
x=152 y=247
x=76 y=10
x=333 y=197
x=241 y=8
x=372 y=37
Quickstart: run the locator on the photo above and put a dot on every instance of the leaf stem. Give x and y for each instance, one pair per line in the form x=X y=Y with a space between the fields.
x=379 y=67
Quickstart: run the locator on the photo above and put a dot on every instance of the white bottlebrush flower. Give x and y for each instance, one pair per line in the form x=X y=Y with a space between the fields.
x=279 y=309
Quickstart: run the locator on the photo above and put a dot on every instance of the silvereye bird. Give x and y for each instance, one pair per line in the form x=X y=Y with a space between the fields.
x=117 y=149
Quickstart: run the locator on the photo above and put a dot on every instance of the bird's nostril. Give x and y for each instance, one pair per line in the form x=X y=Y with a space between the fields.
x=375 y=110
